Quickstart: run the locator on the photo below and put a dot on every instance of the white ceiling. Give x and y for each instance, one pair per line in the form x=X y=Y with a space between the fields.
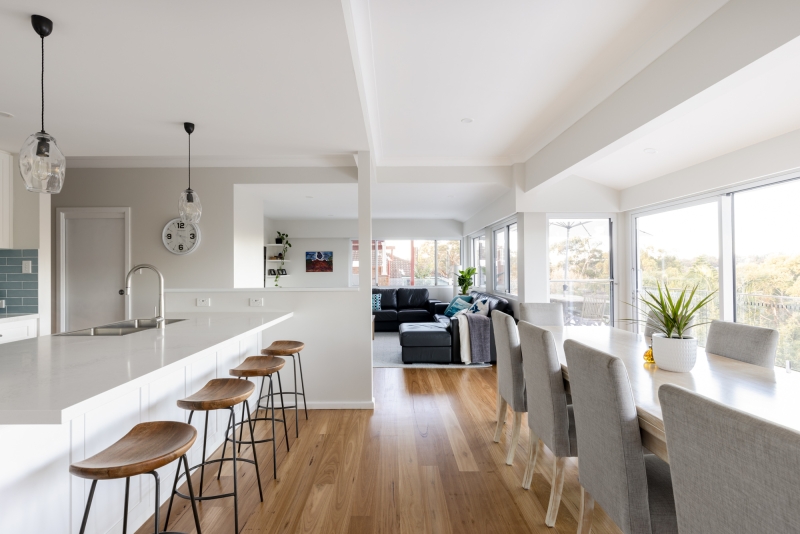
x=524 y=71
x=389 y=200
x=257 y=78
x=758 y=109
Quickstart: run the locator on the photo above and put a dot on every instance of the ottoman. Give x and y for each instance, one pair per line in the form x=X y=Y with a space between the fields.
x=425 y=343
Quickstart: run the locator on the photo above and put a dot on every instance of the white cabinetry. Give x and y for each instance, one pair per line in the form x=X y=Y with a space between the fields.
x=18 y=328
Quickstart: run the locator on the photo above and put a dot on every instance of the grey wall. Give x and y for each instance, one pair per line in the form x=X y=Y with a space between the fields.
x=26 y=213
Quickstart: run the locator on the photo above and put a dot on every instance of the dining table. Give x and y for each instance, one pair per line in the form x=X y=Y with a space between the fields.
x=771 y=393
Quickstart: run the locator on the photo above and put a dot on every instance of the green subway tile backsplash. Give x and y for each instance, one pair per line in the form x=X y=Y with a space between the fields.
x=20 y=291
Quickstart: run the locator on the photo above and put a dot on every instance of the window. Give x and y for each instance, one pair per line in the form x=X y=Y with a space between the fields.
x=505 y=259
x=404 y=262
x=680 y=249
x=767 y=264
x=581 y=275
x=478 y=260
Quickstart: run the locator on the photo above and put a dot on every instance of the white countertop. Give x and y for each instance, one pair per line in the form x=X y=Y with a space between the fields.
x=46 y=380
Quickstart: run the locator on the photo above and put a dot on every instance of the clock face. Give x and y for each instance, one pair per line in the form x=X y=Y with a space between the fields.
x=181 y=237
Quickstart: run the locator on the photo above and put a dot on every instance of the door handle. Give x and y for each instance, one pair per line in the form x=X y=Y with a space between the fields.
x=121 y=291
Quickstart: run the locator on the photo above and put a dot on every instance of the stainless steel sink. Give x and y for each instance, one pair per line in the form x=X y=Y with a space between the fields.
x=122 y=328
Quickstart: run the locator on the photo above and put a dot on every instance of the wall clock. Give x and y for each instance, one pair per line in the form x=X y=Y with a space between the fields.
x=181 y=237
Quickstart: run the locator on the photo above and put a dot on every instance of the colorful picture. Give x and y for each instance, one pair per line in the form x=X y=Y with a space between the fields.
x=319 y=262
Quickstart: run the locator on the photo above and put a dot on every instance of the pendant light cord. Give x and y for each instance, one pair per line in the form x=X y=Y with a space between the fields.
x=190 y=161
x=43 y=85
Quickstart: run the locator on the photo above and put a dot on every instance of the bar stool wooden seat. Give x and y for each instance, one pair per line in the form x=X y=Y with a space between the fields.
x=292 y=350
x=219 y=394
x=264 y=367
x=147 y=447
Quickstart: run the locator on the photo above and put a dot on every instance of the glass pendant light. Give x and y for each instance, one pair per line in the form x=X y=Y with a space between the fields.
x=41 y=163
x=189 y=205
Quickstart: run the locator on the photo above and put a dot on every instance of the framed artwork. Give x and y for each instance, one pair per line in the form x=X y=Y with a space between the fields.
x=319 y=262
x=282 y=272
x=272 y=272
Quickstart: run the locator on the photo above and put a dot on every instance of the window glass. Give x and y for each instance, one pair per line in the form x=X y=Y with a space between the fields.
x=354 y=262
x=423 y=262
x=767 y=264
x=479 y=260
x=500 y=260
x=580 y=270
x=512 y=259
x=680 y=249
x=448 y=257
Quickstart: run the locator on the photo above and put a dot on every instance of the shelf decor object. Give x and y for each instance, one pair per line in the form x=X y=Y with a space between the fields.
x=283 y=240
x=41 y=163
x=189 y=206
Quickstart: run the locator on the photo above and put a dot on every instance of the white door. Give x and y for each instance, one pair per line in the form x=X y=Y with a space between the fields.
x=93 y=261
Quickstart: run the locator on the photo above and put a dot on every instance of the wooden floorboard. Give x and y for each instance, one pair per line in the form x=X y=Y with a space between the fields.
x=423 y=461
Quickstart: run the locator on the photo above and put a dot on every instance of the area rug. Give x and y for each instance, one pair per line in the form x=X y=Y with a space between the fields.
x=387 y=352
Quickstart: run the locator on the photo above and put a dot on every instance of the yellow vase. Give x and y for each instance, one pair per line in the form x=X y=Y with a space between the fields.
x=648 y=355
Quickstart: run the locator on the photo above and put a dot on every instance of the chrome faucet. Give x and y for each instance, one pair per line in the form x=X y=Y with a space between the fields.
x=160 y=312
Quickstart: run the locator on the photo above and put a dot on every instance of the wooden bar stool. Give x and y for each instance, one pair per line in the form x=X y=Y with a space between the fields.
x=265 y=367
x=141 y=451
x=219 y=394
x=291 y=349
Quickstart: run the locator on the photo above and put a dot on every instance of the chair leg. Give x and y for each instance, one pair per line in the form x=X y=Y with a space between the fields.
x=88 y=505
x=555 y=491
x=502 y=408
x=172 y=495
x=253 y=444
x=302 y=384
x=283 y=413
x=158 y=501
x=585 y=515
x=191 y=493
x=533 y=454
x=296 y=402
x=235 y=478
x=125 y=510
x=231 y=420
x=258 y=403
x=274 y=439
x=512 y=449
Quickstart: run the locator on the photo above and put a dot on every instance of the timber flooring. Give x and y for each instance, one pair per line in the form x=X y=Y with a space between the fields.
x=422 y=461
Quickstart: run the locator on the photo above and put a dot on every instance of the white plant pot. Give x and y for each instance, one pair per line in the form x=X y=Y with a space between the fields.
x=674 y=354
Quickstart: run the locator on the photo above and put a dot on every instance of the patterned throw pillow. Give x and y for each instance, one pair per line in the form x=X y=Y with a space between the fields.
x=456 y=306
x=481 y=307
x=376 y=302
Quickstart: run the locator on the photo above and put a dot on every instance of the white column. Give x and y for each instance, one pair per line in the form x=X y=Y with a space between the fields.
x=366 y=178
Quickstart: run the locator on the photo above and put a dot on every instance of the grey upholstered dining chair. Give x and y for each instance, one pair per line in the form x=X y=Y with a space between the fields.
x=634 y=488
x=542 y=313
x=550 y=418
x=510 y=378
x=732 y=473
x=749 y=344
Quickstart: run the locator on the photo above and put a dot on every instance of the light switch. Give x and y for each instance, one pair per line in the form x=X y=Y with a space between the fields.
x=2 y=303
x=203 y=302
x=26 y=267
x=256 y=302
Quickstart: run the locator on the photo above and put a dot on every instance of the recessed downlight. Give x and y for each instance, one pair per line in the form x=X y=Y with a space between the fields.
x=466 y=120
x=6 y=114
x=650 y=151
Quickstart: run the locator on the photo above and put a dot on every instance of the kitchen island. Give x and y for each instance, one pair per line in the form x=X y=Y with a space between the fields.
x=64 y=398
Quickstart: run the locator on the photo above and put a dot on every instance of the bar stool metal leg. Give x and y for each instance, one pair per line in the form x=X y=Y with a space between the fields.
x=125 y=510
x=253 y=444
x=88 y=505
x=191 y=494
x=271 y=399
x=235 y=478
x=302 y=384
x=225 y=441
x=158 y=499
x=296 y=402
x=283 y=413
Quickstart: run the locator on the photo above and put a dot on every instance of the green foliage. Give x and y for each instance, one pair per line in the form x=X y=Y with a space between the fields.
x=672 y=317
x=465 y=278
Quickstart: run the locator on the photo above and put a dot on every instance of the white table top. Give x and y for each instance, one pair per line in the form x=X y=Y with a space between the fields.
x=47 y=379
x=772 y=394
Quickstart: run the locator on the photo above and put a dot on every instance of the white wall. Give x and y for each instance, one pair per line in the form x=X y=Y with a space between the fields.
x=26 y=212
x=248 y=238
x=296 y=264
x=381 y=228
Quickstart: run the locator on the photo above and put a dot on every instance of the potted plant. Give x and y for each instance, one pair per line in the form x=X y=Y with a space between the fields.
x=282 y=239
x=465 y=278
x=673 y=349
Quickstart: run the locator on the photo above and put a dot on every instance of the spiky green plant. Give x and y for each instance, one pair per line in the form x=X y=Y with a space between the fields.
x=673 y=316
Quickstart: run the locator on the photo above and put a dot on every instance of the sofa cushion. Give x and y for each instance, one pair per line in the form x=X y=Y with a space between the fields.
x=414 y=315
x=388 y=297
x=424 y=335
x=495 y=302
x=376 y=301
x=480 y=307
x=456 y=306
x=411 y=297
x=439 y=318
x=382 y=316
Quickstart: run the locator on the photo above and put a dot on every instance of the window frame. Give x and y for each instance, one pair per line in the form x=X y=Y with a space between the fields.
x=374 y=254
x=504 y=225
x=473 y=260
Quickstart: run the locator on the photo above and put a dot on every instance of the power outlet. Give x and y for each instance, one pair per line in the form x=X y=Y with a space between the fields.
x=203 y=302
x=27 y=267
x=256 y=302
